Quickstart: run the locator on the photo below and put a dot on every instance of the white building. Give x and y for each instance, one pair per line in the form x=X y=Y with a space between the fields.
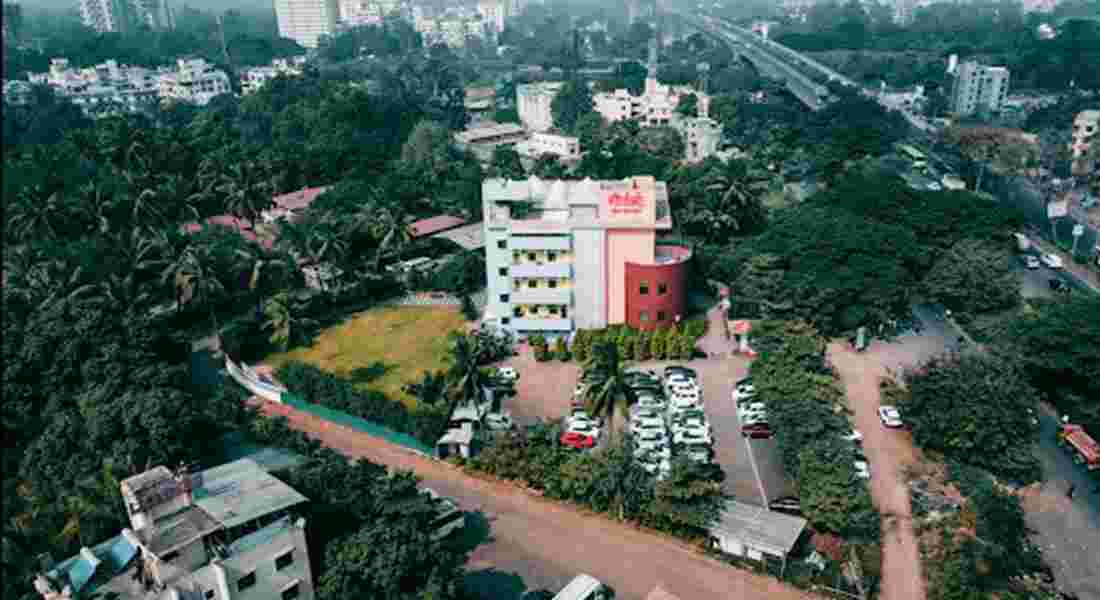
x=494 y=13
x=565 y=147
x=366 y=12
x=101 y=15
x=702 y=136
x=979 y=89
x=154 y=14
x=533 y=103
x=195 y=81
x=254 y=78
x=227 y=533
x=109 y=87
x=656 y=106
x=1085 y=127
x=450 y=28
x=306 y=21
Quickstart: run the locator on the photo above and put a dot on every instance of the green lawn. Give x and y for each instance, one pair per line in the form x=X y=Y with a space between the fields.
x=408 y=340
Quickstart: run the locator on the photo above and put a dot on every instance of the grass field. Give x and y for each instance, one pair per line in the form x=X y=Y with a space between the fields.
x=408 y=340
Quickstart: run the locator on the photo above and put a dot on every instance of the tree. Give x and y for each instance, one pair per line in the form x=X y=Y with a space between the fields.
x=973 y=277
x=548 y=166
x=572 y=102
x=1004 y=149
x=608 y=393
x=506 y=164
x=468 y=309
x=689 y=106
x=995 y=433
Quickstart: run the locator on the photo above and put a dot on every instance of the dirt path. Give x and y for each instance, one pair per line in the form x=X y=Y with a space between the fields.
x=547 y=543
x=887 y=451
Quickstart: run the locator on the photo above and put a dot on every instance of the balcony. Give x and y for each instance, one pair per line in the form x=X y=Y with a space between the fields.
x=543 y=295
x=554 y=270
x=541 y=324
x=540 y=242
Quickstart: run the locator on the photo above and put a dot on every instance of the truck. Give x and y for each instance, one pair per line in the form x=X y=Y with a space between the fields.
x=1080 y=444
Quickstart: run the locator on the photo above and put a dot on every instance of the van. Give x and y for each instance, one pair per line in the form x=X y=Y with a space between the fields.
x=584 y=587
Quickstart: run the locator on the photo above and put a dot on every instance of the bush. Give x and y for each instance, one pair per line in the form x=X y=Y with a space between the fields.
x=326 y=389
x=539 y=346
x=468 y=309
x=561 y=350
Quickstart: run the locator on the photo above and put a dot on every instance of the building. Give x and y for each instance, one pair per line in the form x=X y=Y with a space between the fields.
x=450 y=27
x=366 y=12
x=121 y=15
x=17 y=93
x=306 y=21
x=534 y=104
x=566 y=148
x=494 y=13
x=254 y=78
x=563 y=255
x=755 y=532
x=153 y=14
x=979 y=89
x=227 y=533
x=13 y=22
x=289 y=207
x=101 y=15
x=1085 y=127
x=194 y=81
x=702 y=136
x=481 y=139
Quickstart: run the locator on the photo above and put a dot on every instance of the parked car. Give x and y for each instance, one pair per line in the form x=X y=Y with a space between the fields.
x=863 y=469
x=754 y=418
x=1052 y=261
x=499 y=422
x=1031 y=262
x=583 y=426
x=757 y=431
x=694 y=435
x=698 y=452
x=577 y=441
x=650 y=402
x=642 y=425
x=890 y=416
x=658 y=448
x=647 y=438
x=681 y=370
x=654 y=464
x=787 y=504
x=692 y=422
x=853 y=436
x=685 y=402
x=508 y=373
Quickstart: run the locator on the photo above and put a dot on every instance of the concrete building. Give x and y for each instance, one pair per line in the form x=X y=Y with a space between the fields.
x=533 y=103
x=366 y=12
x=195 y=81
x=101 y=15
x=702 y=136
x=481 y=139
x=494 y=13
x=565 y=147
x=12 y=22
x=1085 y=127
x=979 y=89
x=563 y=255
x=227 y=533
x=254 y=78
x=306 y=21
x=154 y=14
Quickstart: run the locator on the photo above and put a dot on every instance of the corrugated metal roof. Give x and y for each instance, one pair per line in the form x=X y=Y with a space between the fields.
x=759 y=528
x=469 y=237
x=240 y=491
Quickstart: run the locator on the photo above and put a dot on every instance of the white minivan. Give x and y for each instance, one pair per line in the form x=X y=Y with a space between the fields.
x=584 y=587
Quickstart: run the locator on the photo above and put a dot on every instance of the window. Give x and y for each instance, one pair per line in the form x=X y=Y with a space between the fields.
x=551 y=256
x=643 y=317
x=643 y=288
x=504 y=297
x=554 y=310
x=532 y=283
x=661 y=316
x=505 y=320
x=517 y=312
x=530 y=256
x=291 y=592
x=502 y=244
x=503 y=271
x=662 y=289
x=246 y=582
x=284 y=560
x=208 y=594
x=553 y=283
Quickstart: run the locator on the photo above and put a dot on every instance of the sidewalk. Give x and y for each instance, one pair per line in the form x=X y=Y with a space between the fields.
x=1082 y=273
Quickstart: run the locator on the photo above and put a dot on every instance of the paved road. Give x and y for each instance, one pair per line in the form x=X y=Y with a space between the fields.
x=538 y=544
x=1067 y=530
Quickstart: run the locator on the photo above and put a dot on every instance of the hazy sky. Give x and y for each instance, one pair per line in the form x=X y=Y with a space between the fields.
x=218 y=5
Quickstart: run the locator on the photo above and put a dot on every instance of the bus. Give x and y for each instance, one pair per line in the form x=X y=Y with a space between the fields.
x=448 y=519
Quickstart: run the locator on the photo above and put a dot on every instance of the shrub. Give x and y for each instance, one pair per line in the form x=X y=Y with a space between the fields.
x=468 y=309
x=561 y=349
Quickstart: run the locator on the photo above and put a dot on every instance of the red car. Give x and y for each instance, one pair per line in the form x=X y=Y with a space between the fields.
x=757 y=430
x=577 y=441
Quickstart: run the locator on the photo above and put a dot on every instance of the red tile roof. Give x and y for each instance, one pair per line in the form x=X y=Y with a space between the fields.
x=240 y=225
x=300 y=199
x=433 y=225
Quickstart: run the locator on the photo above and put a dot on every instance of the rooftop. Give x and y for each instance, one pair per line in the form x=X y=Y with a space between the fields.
x=488 y=131
x=179 y=529
x=757 y=527
x=433 y=225
x=299 y=199
x=106 y=559
x=469 y=237
x=240 y=491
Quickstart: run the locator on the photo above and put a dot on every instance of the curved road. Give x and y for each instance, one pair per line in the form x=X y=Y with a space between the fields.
x=539 y=544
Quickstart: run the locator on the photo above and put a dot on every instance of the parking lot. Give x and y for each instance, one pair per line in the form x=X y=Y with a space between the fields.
x=544 y=391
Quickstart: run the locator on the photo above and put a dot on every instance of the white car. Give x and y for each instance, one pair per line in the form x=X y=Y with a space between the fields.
x=656 y=447
x=682 y=403
x=508 y=373
x=650 y=437
x=641 y=425
x=648 y=402
x=694 y=435
x=890 y=416
x=863 y=469
x=639 y=413
x=1031 y=262
x=698 y=452
x=499 y=421
x=584 y=428
x=690 y=422
x=1052 y=261
x=853 y=436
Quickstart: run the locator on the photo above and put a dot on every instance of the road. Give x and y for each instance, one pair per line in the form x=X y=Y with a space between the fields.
x=540 y=544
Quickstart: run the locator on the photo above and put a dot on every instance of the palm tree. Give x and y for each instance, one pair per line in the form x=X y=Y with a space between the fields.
x=279 y=319
x=466 y=380
x=247 y=191
x=608 y=393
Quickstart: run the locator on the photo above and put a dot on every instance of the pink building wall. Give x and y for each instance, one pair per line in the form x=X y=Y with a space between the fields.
x=623 y=246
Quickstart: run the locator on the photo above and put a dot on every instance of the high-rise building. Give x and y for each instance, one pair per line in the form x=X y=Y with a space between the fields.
x=534 y=104
x=586 y=257
x=122 y=15
x=979 y=89
x=1086 y=128
x=306 y=21
x=153 y=14
x=102 y=15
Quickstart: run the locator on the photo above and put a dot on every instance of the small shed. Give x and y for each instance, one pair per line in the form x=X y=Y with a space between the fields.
x=457 y=441
x=755 y=532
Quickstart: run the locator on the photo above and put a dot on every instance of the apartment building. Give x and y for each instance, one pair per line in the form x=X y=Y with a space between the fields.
x=254 y=78
x=101 y=15
x=306 y=21
x=563 y=255
x=702 y=136
x=979 y=89
x=194 y=81
x=366 y=12
x=1085 y=128
x=565 y=147
x=227 y=533
x=534 y=104
x=120 y=15
x=494 y=13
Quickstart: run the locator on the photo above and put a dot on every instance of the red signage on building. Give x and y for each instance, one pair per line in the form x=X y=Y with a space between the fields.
x=625 y=203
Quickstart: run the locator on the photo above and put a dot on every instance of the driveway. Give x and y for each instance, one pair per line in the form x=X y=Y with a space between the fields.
x=539 y=544
x=888 y=451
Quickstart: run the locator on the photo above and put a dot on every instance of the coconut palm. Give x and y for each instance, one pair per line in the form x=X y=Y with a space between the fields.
x=607 y=394
x=278 y=319
x=466 y=379
x=247 y=191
